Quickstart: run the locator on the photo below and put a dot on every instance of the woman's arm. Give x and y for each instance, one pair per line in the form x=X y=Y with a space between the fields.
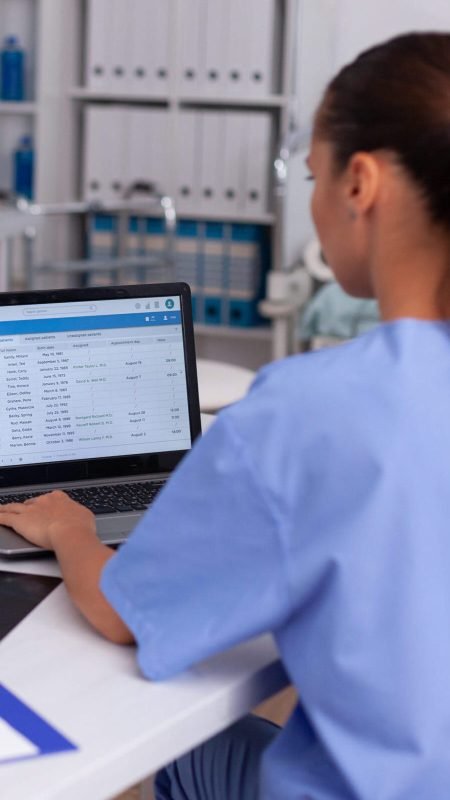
x=55 y=522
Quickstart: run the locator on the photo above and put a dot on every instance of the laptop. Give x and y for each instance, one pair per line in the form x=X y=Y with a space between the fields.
x=99 y=398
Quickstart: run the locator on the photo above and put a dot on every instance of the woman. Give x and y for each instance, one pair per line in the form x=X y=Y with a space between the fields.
x=325 y=517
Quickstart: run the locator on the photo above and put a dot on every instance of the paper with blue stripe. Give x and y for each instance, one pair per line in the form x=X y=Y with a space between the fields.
x=24 y=734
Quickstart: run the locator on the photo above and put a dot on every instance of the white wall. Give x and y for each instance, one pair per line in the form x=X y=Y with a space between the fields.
x=361 y=24
x=332 y=32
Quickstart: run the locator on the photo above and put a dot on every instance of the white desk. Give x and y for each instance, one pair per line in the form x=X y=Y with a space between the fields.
x=221 y=384
x=125 y=726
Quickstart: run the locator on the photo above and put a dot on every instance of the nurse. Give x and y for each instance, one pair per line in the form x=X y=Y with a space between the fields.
x=318 y=508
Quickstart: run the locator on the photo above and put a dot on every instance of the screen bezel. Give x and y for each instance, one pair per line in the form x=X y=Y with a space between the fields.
x=111 y=466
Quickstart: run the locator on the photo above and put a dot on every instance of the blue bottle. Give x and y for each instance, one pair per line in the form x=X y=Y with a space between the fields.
x=24 y=168
x=12 y=70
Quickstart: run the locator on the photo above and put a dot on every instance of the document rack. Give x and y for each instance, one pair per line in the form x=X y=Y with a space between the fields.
x=139 y=200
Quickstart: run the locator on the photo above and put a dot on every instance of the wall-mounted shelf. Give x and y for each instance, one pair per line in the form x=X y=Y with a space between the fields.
x=271 y=101
x=81 y=93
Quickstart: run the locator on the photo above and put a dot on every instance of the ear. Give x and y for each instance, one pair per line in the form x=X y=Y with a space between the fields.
x=362 y=183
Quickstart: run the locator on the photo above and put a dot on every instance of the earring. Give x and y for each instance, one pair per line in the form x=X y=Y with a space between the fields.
x=352 y=213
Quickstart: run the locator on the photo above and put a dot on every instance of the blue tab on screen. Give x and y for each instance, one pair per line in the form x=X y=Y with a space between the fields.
x=26 y=722
x=102 y=321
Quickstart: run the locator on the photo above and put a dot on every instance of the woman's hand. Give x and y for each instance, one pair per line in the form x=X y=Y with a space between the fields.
x=42 y=519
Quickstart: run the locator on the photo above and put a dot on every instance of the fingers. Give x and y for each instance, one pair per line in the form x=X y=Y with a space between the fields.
x=8 y=519
x=14 y=508
x=17 y=507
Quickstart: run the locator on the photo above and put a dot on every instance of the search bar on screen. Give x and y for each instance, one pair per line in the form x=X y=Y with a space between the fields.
x=49 y=311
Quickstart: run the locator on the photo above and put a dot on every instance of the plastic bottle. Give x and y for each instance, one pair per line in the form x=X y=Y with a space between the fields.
x=24 y=167
x=12 y=70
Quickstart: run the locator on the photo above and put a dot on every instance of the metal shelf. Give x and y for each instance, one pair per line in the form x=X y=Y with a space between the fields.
x=271 y=101
x=81 y=93
x=27 y=108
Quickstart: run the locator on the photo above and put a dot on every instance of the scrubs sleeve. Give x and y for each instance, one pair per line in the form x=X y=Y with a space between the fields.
x=204 y=569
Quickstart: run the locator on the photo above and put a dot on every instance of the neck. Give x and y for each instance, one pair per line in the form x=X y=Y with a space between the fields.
x=411 y=274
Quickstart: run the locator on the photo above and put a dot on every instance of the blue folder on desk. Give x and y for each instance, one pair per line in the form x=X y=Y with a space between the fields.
x=24 y=734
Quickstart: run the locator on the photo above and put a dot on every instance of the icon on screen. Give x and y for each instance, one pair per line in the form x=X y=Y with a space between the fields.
x=137 y=305
x=156 y=303
x=169 y=303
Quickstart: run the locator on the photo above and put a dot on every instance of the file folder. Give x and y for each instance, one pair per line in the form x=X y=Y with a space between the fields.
x=237 y=62
x=233 y=192
x=214 y=277
x=102 y=245
x=98 y=29
x=104 y=153
x=212 y=162
x=159 y=25
x=102 y=236
x=155 y=245
x=141 y=49
x=249 y=259
x=258 y=162
x=188 y=260
x=148 y=147
x=217 y=32
x=191 y=29
x=188 y=159
x=24 y=733
x=263 y=36
x=119 y=57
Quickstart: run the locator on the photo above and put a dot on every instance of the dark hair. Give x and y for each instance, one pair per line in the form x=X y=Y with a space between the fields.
x=396 y=97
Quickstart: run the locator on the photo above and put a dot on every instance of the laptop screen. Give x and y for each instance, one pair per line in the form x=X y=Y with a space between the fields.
x=92 y=379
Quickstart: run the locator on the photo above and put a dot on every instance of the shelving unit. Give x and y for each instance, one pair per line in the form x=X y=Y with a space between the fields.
x=53 y=35
x=175 y=100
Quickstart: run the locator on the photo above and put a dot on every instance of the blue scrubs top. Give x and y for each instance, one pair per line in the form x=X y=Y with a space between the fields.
x=318 y=508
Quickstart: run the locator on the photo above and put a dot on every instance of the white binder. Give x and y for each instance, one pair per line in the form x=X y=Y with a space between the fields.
x=147 y=147
x=212 y=162
x=238 y=62
x=158 y=27
x=258 y=160
x=262 y=33
x=216 y=23
x=191 y=39
x=119 y=59
x=233 y=193
x=97 y=45
x=94 y=161
x=187 y=168
x=105 y=153
x=140 y=53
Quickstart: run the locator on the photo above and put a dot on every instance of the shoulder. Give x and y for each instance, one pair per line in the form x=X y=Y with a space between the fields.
x=319 y=380
x=307 y=408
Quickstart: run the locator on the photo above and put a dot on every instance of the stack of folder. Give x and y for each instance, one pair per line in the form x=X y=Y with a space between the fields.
x=220 y=47
x=214 y=162
x=127 y=49
x=225 y=264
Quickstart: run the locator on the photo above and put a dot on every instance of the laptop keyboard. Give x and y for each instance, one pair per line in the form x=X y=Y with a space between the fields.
x=119 y=497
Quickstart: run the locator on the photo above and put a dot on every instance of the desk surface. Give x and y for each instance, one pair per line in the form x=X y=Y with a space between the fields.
x=220 y=384
x=124 y=726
